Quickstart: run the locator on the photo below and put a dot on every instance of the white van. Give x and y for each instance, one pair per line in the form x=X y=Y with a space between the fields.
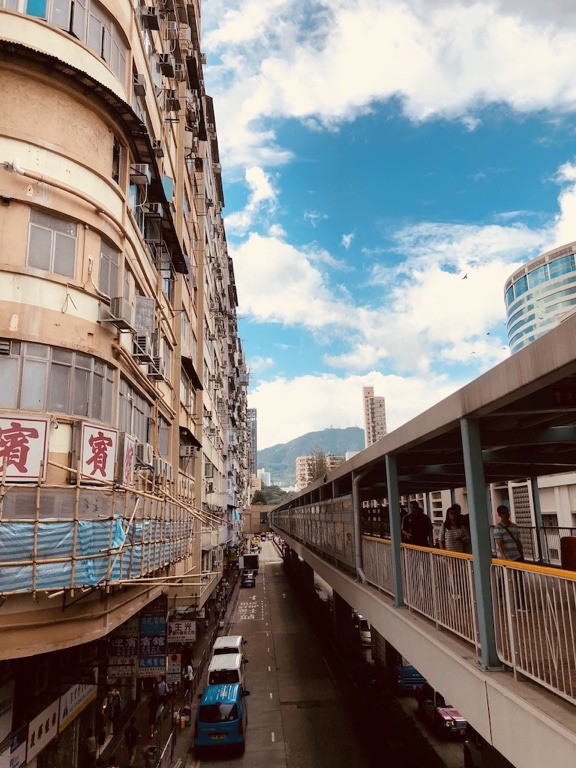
x=226 y=668
x=228 y=644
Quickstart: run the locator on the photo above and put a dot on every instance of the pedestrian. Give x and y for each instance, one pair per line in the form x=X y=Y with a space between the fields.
x=153 y=707
x=188 y=675
x=417 y=527
x=453 y=534
x=113 y=709
x=131 y=735
x=90 y=748
x=509 y=547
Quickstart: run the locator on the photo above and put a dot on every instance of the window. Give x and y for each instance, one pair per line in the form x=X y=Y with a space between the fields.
x=109 y=269
x=86 y=21
x=550 y=520
x=38 y=377
x=520 y=286
x=116 y=160
x=52 y=243
x=133 y=412
x=561 y=266
x=163 y=436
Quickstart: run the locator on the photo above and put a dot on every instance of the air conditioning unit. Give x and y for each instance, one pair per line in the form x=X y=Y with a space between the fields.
x=156 y=370
x=145 y=454
x=142 y=348
x=140 y=174
x=140 y=85
x=150 y=17
x=172 y=30
x=217 y=167
x=122 y=313
x=190 y=142
x=5 y=346
x=154 y=211
x=166 y=64
x=180 y=72
x=172 y=100
x=158 y=147
x=187 y=450
x=185 y=34
x=169 y=472
x=159 y=467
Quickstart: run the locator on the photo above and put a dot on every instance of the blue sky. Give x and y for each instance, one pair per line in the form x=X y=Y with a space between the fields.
x=373 y=154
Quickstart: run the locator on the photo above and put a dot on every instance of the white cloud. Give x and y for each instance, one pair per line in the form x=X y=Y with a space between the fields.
x=261 y=201
x=347 y=240
x=313 y=217
x=279 y=283
x=260 y=364
x=343 y=56
x=317 y=402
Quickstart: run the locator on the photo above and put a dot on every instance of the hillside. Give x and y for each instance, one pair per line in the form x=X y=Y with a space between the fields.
x=280 y=459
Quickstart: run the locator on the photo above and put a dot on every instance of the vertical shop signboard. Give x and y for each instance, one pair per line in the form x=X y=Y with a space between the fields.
x=42 y=729
x=152 y=644
x=23 y=448
x=123 y=649
x=18 y=747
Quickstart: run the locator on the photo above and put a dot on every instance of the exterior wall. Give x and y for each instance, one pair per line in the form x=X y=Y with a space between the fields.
x=123 y=437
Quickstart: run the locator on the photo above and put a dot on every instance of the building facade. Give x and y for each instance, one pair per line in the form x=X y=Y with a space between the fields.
x=540 y=294
x=252 y=422
x=123 y=443
x=374 y=416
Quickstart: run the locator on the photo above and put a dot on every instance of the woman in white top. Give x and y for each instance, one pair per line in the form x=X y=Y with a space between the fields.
x=454 y=535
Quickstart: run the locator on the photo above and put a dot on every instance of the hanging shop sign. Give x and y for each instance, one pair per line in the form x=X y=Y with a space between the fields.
x=152 y=639
x=182 y=631
x=42 y=730
x=18 y=747
x=98 y=449
x=23 y=448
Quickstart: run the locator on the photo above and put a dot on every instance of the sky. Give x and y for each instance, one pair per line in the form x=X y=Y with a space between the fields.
x=387 y=165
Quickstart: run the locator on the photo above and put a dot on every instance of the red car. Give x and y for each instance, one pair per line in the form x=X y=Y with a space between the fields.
x=443 y=719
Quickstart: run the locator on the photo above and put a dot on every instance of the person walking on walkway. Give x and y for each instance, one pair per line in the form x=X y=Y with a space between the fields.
x=453 y=534
x=509 y=547
x=417 y=527
x=131 y=735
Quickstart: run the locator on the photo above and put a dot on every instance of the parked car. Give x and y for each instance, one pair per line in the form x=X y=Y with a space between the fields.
x=221 y=718
x=442 y=718
x=404 y=677
x=363 y=626
x=248 y=579
x=478 y=753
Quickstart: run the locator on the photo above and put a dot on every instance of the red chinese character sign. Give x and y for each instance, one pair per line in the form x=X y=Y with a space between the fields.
x=23 y=448
x=98 y=453
x=127 y=460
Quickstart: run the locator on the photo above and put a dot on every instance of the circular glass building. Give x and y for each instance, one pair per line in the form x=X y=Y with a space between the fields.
x=540 y=294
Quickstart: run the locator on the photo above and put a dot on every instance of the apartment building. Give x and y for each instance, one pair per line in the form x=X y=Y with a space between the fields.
x=123 y=444
x=374 y=416
x=308 y=466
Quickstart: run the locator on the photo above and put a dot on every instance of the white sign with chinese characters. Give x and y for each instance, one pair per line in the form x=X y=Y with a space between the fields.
x=182 y=631
x=42 y=730
x=23 y=448
x=98 y=448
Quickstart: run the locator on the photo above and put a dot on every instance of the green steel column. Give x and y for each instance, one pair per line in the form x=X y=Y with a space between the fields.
x=537 y=517
x=395 y=530
x=480 y=535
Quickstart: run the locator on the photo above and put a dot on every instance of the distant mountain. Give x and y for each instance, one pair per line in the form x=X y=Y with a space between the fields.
x=280 y=460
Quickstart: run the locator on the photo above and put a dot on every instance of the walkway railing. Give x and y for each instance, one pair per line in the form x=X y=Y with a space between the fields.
x=535 y=616
x=534 y=607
